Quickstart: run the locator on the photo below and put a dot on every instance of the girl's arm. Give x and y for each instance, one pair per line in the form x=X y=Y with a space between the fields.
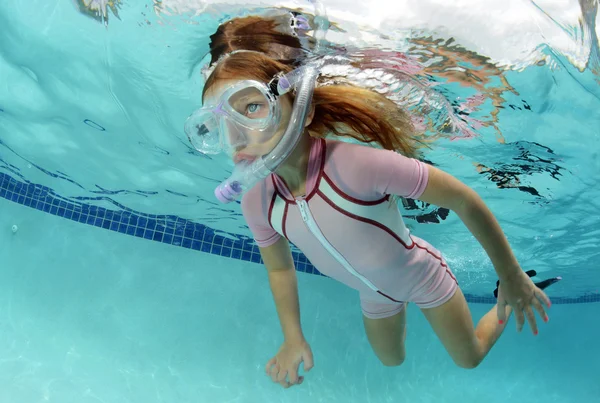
x=516 y=288
x=445 y=190
x=282 y=279
x=294 y=350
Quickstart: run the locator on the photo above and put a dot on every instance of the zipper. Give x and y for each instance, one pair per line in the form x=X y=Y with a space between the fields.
x=316 y=231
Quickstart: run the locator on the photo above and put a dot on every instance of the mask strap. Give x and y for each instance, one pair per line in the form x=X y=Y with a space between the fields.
x=298 y=23
x=275 y=82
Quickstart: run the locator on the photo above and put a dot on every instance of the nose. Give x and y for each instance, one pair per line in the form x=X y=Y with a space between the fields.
x=235 y=137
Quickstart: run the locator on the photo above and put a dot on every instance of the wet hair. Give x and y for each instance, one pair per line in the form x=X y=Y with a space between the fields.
x=340 y=109
x=269 y=36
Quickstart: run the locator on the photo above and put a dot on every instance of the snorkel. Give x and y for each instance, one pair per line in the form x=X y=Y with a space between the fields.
x=246 y=174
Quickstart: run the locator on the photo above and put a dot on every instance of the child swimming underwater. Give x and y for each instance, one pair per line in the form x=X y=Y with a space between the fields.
x=335 y=201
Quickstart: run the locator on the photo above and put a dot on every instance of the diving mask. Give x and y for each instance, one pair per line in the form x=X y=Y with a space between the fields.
x=247 y=113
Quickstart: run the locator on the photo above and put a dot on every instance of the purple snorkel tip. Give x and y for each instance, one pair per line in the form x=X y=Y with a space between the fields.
x=302 y=23
x=228 y=192
x=283 y=85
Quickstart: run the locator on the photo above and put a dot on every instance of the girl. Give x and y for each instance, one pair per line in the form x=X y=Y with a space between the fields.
x=336 y=202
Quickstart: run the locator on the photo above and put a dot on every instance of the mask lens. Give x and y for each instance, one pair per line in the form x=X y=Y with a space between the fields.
x=235 y=137
x=203 y=132
x=252 y=107
x=245 y=115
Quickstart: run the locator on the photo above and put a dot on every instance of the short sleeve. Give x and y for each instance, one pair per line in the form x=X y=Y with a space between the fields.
x=396 y=174
x=255 y=210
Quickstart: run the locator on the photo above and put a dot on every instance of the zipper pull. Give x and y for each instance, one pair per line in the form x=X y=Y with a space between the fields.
x=302 y=207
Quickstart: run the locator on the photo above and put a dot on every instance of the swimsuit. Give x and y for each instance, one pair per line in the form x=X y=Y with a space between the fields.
x=350 y=230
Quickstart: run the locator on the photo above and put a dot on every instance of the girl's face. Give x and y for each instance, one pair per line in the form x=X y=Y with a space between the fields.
x=250 y=144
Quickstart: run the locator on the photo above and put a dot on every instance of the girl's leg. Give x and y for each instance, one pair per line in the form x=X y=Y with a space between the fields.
x=387 y=336
x=453 y=324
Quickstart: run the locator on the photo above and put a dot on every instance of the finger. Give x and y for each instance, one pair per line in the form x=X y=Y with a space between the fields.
x=520 y=318
x=501 y=311
x=281 y=377
x=293 y=374
x=270 y=363
x=300 y=380
x=308 y=361
x=540 y=309
x=541 y=296
x=531 y=319
x=274 y=372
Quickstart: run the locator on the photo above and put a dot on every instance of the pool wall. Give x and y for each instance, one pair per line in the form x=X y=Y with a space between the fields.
x=174 y=230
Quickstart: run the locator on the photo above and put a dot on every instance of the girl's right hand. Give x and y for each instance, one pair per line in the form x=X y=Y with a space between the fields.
x=283 y=368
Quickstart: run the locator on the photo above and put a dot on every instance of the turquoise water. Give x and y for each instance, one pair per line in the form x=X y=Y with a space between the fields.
x=90 y=133
x=88 y=315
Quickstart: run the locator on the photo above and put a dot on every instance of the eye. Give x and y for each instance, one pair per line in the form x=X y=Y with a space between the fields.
x=253 y=108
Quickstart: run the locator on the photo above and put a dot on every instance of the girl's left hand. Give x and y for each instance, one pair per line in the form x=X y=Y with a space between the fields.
x=522 y=295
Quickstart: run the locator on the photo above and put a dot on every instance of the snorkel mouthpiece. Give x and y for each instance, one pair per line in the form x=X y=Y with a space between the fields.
x=228 y=191
x=244 y=176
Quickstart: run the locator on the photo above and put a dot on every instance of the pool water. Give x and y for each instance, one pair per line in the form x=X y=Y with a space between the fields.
x=122 y=280
x=89 y=315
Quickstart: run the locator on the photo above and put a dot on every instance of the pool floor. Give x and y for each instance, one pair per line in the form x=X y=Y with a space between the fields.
x=88 y=315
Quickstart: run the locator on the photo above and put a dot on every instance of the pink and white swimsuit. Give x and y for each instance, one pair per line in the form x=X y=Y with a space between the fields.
x=348 y=228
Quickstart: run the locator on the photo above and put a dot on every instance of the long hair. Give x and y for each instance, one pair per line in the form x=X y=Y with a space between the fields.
x=340 y=109
x=260 y=34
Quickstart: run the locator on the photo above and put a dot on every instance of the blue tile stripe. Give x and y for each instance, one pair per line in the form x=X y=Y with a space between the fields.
x=173 y=230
